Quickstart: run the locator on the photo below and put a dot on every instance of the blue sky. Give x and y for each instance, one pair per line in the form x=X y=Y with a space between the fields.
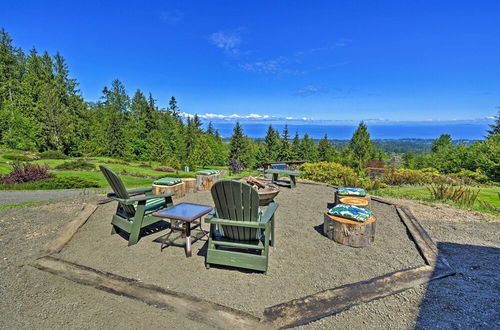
x=324 y=60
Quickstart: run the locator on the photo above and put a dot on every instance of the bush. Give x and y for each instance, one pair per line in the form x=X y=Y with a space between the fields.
x=470 y=177
x=68 y=182
x=235 y=166
x=458 y=194
x=25 y=173
x=397 y=177
x=165 y=169
x=78 y=164
x=332 y=173
x=52 y=154
x=19 y=157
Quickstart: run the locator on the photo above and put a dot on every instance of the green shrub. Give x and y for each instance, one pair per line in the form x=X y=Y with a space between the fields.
x=458 y=194
x=470 y=177
x=67 y=182
x=19 y=157
x=78 y=164
x=396 y=177
x=331 y=173
x=52 y=154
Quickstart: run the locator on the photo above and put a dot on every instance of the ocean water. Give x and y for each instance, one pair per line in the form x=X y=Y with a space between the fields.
x=473 y=131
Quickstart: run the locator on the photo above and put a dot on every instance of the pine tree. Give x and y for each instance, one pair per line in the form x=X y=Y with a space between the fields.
x=308 y=150
x=442 y=143
x=240 y=147
x=272 y=145
x=173 y=108
x=495 y=128
x=210 y=129
x=285 y=151
x=325 y=149
x=361 y=145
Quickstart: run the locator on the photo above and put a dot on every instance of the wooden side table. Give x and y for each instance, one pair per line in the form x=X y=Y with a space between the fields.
x=185 y=217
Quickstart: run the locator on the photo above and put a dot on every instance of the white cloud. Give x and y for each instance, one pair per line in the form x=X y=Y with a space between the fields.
x=249 y=117
x=227 y=41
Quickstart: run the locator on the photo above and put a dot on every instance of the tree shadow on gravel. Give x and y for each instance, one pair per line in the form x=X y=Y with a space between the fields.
x=468 y=300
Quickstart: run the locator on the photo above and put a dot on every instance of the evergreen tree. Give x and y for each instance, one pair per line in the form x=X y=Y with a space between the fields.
x=325 y=150
x=173 y=108
x=272 y=145
x=495 y=128
x=308 y=150
x=443 y=142
x=240 y=147
x=361 y=146
x=210 y=129
x=285 y=151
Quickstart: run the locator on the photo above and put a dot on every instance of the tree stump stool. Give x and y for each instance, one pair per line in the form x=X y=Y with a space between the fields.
x=190 y=185
x=356 y=201
x=178 y=189
x=349 y=232
x=338 y=197
x=205 y=182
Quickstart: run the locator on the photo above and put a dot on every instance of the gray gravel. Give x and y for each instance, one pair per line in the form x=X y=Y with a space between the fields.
x=30 y=297
x=16 y=197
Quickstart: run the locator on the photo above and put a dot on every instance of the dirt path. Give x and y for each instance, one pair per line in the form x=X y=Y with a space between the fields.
x=32 y=298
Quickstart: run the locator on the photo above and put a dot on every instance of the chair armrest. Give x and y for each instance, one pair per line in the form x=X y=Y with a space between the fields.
x=210 y=216
x=136 y=191
x=271 y=209
x=246 y=224
x=132 y=200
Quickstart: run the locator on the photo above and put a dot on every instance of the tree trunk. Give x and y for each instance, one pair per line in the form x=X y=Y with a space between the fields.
x=178 y=189
x=190 y=185
x=349 y=232
x=205 y=182
x=356 y=201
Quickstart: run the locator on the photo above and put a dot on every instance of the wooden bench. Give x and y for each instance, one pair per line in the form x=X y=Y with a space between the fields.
x=292 y=174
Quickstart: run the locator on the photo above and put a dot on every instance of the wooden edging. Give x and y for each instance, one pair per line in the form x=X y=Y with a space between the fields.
x=206 y=312
x=293 y=313
x=325 y=303
x=69 y=231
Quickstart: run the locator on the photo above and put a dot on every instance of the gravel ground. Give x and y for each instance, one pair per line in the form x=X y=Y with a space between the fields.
x=468 y=240
x=15 y=197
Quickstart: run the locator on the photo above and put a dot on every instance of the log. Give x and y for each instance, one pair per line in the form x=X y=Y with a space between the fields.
x=190 y=185
x=361 y=202
x=178 y=189
x=205 y=182
x=349 y=232
x=253 y=181
x=209 y=314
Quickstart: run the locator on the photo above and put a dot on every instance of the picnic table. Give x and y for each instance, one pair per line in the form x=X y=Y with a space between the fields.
x=276 y=173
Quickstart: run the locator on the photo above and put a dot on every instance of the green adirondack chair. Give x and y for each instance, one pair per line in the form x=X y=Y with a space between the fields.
x=133 y=212
x=238 y=229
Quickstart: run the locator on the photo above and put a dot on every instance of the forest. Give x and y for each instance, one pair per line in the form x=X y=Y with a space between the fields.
x=43 y=110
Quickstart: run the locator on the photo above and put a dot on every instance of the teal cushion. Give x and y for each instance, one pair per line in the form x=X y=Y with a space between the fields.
x=350 y=212
x=167 y=181
x=153 y=204
x=345 y=191
x=207 y=172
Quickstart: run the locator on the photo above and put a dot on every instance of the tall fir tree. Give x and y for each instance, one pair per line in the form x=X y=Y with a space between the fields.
x=285 y=151
x=308 y=149
x=272 y=145
x=361 y=146
x=325 y=150
x=296 y=154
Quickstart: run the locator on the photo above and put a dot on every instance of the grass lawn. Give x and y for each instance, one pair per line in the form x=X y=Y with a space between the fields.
x=122 y=168
x=487 y=194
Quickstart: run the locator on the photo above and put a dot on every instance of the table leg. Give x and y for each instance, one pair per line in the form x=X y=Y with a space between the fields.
x=293 y=183
x=275 y=177
x=188 y=239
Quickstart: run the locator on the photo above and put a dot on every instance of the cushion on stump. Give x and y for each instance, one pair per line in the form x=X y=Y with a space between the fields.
x=350 y=212
x=345 y=191
x=167 y=181
x=207 y=172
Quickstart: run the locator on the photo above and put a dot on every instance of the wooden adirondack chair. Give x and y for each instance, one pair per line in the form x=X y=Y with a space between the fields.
x=133 y=213
x=237 y=229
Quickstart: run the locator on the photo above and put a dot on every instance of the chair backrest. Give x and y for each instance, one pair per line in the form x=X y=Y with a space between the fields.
x=117 y=185
x=235 y=200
